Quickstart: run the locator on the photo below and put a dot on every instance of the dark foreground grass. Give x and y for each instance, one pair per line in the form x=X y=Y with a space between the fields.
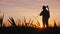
x=30 y=30
x=26 y=28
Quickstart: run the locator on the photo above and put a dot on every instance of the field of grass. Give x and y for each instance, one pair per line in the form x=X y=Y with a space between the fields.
x=26 y=28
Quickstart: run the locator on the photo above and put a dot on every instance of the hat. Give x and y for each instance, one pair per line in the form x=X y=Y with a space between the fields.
x=44 y=6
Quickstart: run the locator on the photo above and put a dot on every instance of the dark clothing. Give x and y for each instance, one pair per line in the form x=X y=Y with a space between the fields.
x=45 y=22
x=45 y=16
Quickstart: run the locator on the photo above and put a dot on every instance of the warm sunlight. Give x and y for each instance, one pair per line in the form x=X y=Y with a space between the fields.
x=29 y=9
x=30 y=16
x=45 y=26
x=41 y=26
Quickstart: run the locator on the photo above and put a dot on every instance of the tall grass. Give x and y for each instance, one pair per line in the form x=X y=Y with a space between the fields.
x=25 y=23
x=22 y=23
x=1 y=20
x=29 y=23
x=55 y=24
x=38 y=23
x=11 y=20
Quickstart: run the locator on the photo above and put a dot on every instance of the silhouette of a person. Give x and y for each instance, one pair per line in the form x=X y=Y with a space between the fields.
x=45 y=15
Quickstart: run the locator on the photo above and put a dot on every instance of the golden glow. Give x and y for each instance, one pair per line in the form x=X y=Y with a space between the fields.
x=45 y=26
x=30 y=8
x=41 y=26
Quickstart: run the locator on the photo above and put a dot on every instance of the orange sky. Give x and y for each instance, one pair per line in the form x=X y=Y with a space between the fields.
x=30 y=9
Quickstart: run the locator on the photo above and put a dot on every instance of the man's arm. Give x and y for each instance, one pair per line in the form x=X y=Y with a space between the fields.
x=41 y=13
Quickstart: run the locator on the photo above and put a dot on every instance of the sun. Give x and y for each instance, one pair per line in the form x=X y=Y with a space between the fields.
x=41 y=25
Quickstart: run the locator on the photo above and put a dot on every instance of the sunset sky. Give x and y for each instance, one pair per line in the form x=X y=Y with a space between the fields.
x=30 y=9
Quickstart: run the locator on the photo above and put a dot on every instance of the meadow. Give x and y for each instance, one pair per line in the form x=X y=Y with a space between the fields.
x=26 y=27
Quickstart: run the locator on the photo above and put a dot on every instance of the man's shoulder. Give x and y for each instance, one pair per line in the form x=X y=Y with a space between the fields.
x=42 y=11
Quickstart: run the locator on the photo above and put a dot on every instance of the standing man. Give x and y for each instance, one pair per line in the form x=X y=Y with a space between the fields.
x=45 y=15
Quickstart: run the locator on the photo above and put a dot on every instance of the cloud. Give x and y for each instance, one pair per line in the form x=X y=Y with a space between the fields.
x=30 y=3
x=20 y=2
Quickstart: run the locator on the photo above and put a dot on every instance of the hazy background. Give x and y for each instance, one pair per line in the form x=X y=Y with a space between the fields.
x=30 y=9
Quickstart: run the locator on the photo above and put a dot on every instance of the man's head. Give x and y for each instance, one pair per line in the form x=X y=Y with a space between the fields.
x=44 y=7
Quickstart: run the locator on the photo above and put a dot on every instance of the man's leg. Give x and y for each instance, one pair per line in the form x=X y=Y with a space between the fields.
x=47 y=22
x=43 y=22
x=0 y=25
